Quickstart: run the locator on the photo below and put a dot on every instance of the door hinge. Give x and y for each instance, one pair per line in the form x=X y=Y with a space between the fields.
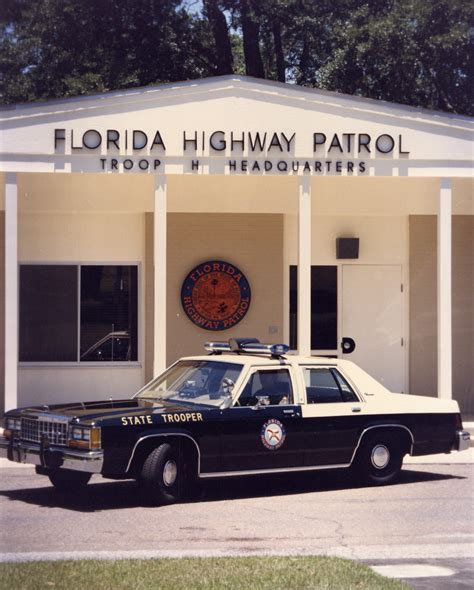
x=402 y=341
x=401 y=287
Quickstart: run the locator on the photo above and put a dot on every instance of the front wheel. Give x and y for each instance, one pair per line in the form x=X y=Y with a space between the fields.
x=379 y=460
x=68 y=481
x=162 y=475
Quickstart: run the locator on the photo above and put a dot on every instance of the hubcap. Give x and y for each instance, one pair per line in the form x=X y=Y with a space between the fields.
x=380 y=456
x=170 y=472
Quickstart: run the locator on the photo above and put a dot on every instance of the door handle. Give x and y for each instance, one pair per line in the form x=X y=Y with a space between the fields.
x=356 y=409
x=348 y=345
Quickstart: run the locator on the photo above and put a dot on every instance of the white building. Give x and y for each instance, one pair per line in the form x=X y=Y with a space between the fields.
x=108 y=202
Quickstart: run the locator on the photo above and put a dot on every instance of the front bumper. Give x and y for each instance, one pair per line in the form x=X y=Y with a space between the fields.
x=463 y=440
x=53 y=457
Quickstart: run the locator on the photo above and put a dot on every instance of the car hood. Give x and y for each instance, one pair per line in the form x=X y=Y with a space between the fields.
x=97 y=411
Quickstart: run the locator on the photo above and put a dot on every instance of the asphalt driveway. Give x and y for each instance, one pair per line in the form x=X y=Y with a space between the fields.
x=428 y=516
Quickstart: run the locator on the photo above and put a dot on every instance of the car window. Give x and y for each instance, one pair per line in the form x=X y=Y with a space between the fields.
x=195 y=382
x=267 y=387
x=327 y=386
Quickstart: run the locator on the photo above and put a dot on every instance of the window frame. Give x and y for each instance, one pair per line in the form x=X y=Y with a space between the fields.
x=331 y=368
x=89 y=364
x=250 y=375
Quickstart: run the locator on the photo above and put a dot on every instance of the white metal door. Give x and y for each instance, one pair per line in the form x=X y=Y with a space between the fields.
x=372 y=316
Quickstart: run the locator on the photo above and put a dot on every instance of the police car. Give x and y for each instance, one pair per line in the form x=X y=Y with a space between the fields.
x=245 y=408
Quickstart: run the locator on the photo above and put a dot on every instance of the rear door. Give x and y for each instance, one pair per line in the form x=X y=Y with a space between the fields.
x=333 y=417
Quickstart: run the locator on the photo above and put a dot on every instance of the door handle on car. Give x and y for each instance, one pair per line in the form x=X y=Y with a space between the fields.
x=356 y=409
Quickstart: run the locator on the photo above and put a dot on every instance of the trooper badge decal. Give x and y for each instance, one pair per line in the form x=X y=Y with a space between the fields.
x=273 y=434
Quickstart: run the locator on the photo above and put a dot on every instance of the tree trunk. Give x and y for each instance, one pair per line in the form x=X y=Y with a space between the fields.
x=220 y=31
x=250 y=33
x=302 y=75
x=280 y=58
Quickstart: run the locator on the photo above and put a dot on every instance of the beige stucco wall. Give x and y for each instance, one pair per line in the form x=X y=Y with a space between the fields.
x=254 y=243
x=423 y=308
x=2 y=312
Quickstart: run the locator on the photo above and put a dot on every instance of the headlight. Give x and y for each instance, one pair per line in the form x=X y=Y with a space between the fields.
x=84 y=437
x=12 y=425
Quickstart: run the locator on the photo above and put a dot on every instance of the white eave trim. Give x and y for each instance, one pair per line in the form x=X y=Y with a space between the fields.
x=213 y=87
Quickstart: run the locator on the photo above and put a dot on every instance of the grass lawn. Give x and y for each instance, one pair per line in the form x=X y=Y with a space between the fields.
x=251 y=573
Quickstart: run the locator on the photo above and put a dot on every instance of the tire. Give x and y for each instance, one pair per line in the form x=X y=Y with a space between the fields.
x=162 y=476
x=379 y=460
x=68 y=481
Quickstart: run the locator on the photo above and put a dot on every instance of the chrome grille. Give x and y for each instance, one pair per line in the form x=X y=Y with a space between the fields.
x=55 y=429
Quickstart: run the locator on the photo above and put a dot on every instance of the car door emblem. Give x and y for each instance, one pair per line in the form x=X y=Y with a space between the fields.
x=272 y=434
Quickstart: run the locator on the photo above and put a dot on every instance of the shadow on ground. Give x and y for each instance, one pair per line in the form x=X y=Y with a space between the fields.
x=112 y=495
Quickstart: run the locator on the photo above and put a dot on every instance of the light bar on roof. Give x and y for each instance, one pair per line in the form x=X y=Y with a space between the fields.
x=247 y=345
x=217 y=347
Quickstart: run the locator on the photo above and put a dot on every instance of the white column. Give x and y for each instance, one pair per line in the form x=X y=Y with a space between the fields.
x=11 y=291
x=304 y=266
x=445 y=384
x=160 y=278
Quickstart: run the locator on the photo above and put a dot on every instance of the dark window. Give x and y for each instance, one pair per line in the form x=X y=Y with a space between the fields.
x=325 y=386
x=108 y=313
x=323 y=307
x=63 y=304
x=48 y=313
x=271 y=387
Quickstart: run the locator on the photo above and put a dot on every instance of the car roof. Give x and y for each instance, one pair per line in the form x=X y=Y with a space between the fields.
x=264 y=359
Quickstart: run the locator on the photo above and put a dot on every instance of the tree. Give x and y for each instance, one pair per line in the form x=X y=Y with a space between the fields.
x=222 y=44
x=52 y=48
x=409 y=51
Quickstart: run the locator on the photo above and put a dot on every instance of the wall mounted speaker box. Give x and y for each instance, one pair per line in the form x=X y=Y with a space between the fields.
x=347 y=248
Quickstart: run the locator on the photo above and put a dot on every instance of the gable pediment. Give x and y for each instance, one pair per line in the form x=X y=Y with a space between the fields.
x=234 y=116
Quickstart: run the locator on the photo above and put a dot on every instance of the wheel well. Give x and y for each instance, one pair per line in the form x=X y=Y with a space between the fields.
x=186 y=446
x=400 y=433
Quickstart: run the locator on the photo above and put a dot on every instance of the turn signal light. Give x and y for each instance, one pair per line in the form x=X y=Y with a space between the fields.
x=85 y=437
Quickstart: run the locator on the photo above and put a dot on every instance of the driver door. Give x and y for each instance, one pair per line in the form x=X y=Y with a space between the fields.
x=263 y=428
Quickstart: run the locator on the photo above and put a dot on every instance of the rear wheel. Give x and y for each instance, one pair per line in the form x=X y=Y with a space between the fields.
x=67 y=481
x=162 y=475
x=379 y=459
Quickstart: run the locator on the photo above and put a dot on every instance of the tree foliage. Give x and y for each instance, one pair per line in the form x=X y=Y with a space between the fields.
x=415 y=52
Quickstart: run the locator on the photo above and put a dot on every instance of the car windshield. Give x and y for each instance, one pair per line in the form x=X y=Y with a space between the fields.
x=196 y=382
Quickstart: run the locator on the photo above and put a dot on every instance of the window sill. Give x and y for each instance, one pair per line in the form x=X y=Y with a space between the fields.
x=84 y=365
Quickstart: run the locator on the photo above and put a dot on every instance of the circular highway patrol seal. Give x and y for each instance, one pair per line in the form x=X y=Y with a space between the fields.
x=215 y=295
x=273 y=434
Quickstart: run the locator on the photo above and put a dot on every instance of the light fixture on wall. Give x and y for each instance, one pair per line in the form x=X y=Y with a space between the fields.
x=347 y=248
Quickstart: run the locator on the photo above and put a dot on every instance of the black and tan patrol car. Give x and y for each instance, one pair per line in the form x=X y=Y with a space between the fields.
x=245 y=408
